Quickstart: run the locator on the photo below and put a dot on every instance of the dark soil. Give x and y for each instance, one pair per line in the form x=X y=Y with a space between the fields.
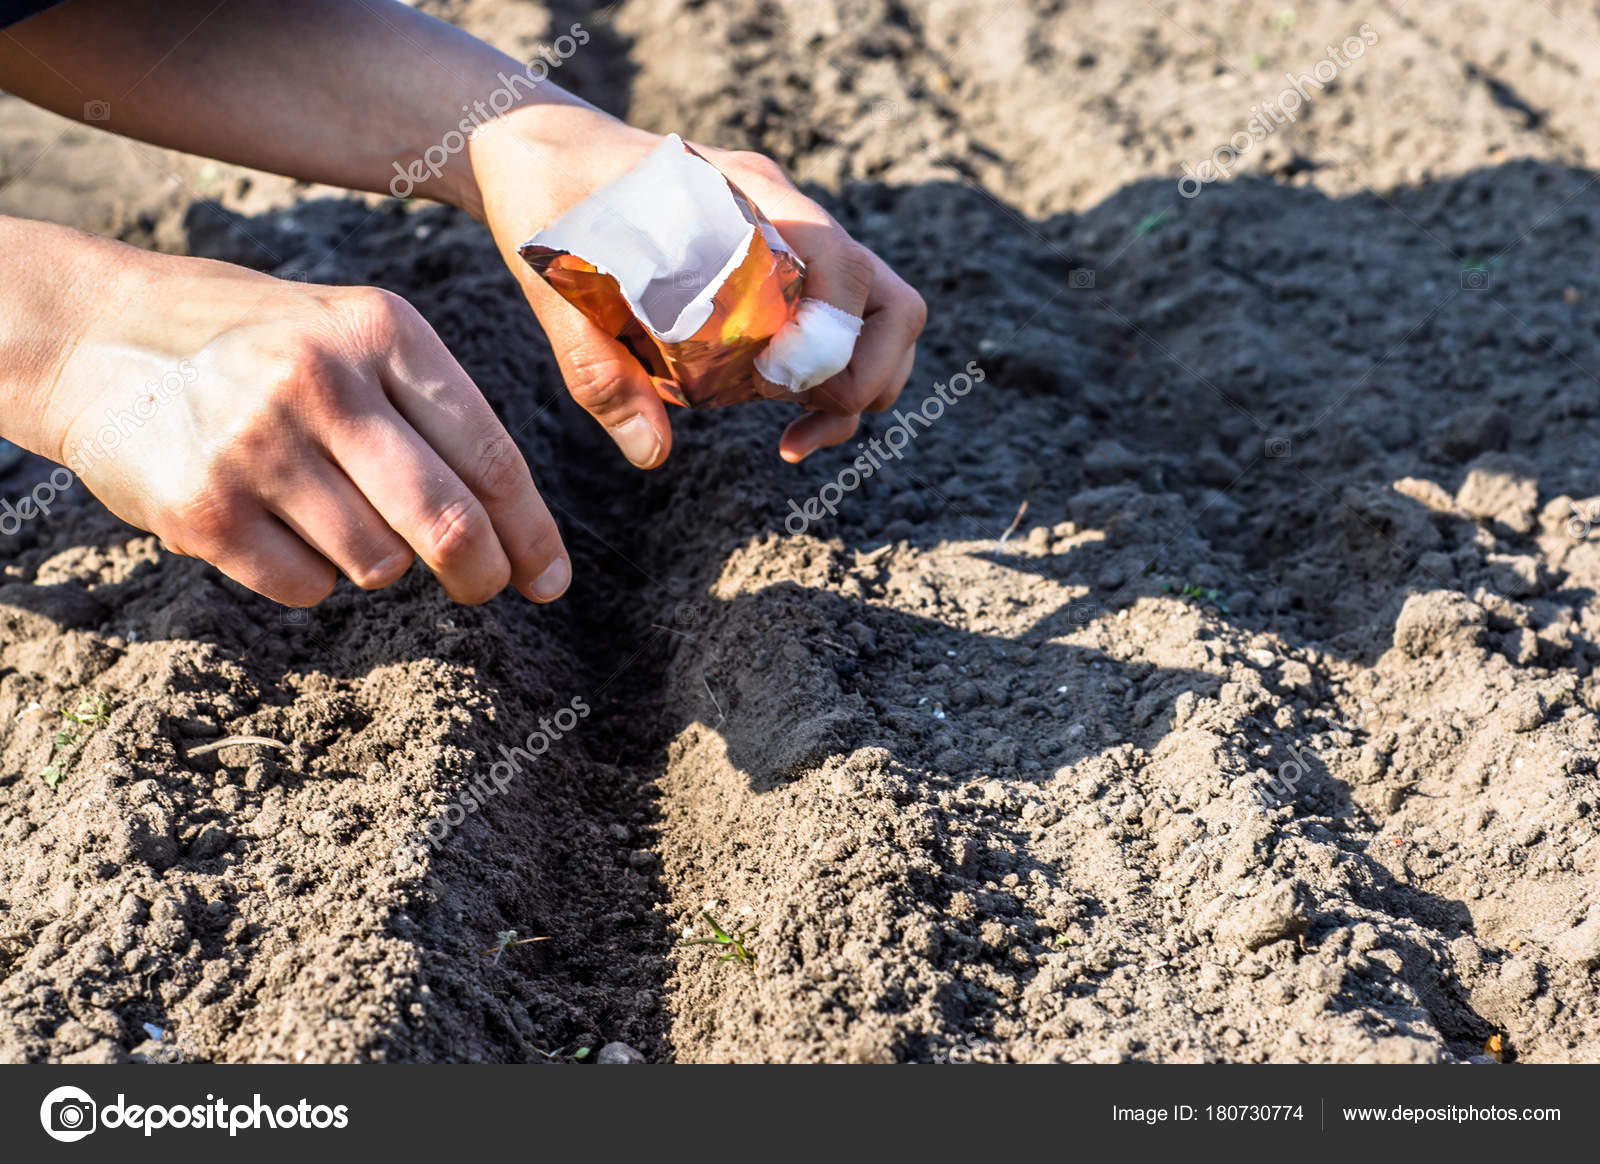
x=1269 y=732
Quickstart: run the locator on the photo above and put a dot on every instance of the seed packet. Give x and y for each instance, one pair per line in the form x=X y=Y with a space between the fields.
x=675 y=261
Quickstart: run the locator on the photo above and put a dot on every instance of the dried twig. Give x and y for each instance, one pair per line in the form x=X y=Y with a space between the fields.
x=720 y=715
x=1012 y=528
x=230 y=741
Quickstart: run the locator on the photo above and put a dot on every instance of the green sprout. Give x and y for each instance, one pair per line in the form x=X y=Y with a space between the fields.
x=735 y=942
x=1151 y=223
x=1258 y=61
x=506 y=940
x=1061 y=940
x=81 y=722
x=1201 y=594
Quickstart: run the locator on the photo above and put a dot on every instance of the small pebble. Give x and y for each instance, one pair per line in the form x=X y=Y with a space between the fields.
x=619 y=1053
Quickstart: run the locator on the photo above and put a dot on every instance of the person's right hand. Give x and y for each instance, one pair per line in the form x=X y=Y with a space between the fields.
x=287 y=432
x=536 y=163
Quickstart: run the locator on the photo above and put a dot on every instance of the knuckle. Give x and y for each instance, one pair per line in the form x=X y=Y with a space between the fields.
x=207 y=522
x=854 y=268
x=545 y=546
x=916 y=313
x=596 y=383
x=861 y=394
x=454 y=532
x=750 y=161
x=377 y=316
x=843 y=395
x=501 y=474
x=886 y=399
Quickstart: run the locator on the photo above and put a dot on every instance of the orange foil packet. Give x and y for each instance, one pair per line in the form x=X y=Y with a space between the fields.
x=675 y=261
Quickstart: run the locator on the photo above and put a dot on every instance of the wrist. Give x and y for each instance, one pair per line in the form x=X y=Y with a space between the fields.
x=60 y=283
x=535 y=163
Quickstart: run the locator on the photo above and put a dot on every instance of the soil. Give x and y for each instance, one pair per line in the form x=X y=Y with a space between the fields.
x=1266 y=731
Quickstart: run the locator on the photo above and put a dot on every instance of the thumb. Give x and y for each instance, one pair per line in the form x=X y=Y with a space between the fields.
x=610 y=385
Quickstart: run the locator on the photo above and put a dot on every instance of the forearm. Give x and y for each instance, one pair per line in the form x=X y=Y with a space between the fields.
x=47 y=303
x=334 y=91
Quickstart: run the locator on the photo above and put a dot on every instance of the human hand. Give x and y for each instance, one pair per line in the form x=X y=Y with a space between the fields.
x=288 y=432
x=536 y=163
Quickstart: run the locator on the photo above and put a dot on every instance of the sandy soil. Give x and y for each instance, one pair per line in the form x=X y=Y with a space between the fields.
x=1269 y=732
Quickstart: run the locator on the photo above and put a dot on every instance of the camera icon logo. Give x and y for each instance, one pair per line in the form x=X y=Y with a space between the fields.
x=97 y=111
x=1278 y=448
x=687 y=280
x=1081 y=279
x=1475 y=278
x=1581 y=523
x=294 y=616
x=967 y=1049
x=68 y=1114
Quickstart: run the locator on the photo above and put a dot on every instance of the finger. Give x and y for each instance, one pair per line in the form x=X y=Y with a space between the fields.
x=866 y=378
x=268 y=557
x=421 y=499
x=897 y=383
x=440 y=402
x=895 y=315
x=253 y=547
x=331 y=516
x=839 y=270
x=816 y=430
x=610 y=385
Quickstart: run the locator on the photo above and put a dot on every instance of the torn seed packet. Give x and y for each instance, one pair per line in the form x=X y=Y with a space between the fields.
x=675 y=261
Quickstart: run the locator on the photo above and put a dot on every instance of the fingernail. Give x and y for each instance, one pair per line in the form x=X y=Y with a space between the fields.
x=552 y=584
x=638 y=441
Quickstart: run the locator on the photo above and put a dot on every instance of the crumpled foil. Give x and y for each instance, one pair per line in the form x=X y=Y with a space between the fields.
x=715 y=365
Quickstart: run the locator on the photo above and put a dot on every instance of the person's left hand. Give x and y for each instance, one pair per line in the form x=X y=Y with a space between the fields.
x=536 y=163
